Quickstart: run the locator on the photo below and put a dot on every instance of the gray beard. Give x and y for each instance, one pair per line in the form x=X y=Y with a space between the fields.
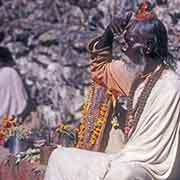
x=134 y=68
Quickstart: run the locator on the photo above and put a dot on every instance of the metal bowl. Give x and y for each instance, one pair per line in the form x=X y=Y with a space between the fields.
x=17 y=145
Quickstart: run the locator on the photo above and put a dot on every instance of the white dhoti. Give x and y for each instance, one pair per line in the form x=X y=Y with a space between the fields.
x=149 y=154
x=90 y=166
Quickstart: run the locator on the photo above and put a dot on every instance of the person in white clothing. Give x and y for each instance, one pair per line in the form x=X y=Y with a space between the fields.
x=13 y=95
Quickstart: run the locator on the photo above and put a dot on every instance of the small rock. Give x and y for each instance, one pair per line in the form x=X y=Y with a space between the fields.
x=49 y=38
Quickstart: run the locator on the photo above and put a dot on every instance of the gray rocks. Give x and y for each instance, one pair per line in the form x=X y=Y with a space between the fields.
x=49 y=38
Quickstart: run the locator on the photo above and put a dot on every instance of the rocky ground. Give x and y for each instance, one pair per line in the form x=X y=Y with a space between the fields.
x=48 y=39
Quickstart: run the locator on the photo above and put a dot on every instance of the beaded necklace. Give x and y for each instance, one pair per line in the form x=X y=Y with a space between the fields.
x=134 y=114
x=95 y=115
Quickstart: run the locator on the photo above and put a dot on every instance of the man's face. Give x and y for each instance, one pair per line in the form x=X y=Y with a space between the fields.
x=137 y=39
x=133 y=36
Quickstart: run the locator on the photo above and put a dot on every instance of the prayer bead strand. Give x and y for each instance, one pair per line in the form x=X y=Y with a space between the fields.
x=133 y=116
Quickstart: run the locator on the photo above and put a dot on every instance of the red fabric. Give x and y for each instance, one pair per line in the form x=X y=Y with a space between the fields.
x=24 y=171
x=144 y=13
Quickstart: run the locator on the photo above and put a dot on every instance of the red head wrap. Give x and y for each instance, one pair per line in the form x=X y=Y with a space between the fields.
x=145 y=12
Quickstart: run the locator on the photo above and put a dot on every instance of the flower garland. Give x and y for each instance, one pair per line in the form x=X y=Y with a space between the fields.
x=65 y=127
x=7 y=123
x=134 y=114
x=86 y=107
x=99 y=124
x=95 y=112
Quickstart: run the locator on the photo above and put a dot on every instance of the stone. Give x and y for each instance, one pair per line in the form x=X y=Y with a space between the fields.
x=49 y=41
x=48 y=38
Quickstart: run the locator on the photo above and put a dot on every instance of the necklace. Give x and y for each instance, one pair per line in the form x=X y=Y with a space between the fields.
x=134 y=115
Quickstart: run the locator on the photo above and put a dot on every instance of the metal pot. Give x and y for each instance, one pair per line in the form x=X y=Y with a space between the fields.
x=17 y=145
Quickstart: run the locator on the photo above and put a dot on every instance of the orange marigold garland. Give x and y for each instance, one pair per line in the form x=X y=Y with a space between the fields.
x=86 y=107
x=7 y=123
x=99 y=124
x=95 y=112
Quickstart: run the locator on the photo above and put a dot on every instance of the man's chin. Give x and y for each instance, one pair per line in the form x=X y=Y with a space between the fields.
x=137 y=69
x=136 y=66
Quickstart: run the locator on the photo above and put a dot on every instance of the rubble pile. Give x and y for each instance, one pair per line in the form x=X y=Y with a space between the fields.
x=48 y=40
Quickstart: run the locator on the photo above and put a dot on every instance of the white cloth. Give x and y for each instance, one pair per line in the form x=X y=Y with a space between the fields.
x=116 y=141
x=13 y=96
x=152 y=147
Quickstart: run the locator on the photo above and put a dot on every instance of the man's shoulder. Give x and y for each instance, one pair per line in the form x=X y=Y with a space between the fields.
x=8 y=74
x=8 y=69
x=170 y=81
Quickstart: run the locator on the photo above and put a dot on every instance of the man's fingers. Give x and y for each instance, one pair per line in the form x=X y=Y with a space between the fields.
x=128 y=16
x=119 y=23
x=116 y=29
x=116 y=25
x=127 y=19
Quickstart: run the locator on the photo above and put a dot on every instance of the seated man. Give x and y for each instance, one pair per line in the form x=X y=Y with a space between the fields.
x=146 y=74
x=13 y=95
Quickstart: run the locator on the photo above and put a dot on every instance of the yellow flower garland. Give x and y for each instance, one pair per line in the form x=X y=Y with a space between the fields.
x=99 y=124
x=7 y=123
x=86 y=107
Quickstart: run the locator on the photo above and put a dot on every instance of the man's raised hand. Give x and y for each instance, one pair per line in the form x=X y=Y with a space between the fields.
x=118 y=24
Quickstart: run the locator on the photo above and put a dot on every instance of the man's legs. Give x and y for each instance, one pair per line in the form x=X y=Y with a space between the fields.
x=76 y=164
x=127 y=171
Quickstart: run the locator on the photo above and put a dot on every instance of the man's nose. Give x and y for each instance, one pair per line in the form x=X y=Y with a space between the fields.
x=137 y=45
